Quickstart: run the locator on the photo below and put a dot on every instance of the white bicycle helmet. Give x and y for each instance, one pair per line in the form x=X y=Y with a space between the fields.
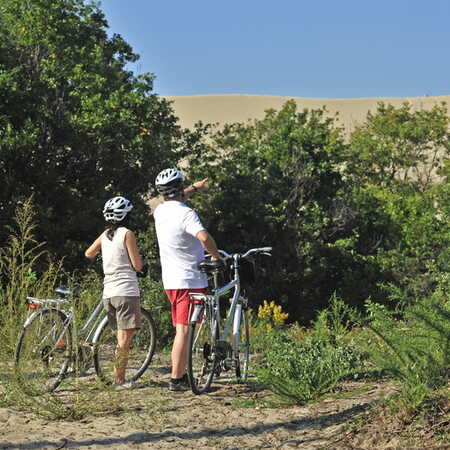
x=169 y=182
x=116 y=209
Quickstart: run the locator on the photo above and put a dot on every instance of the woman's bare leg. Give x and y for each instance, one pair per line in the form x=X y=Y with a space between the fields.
x=124 y=338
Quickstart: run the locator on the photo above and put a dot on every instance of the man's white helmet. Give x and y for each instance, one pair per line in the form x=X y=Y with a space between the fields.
x=116 y=209
x=169 y=182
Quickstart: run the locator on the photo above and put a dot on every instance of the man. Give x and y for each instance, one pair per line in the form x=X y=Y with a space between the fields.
x=182 y=241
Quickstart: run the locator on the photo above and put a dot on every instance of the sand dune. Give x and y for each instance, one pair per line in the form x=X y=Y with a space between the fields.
x=240 y=108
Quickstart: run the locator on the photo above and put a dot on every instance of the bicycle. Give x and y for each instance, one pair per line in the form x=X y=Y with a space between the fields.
x=211 y=347
x=50 y=343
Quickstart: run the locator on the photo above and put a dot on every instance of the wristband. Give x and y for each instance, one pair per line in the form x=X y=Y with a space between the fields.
x=193 y=187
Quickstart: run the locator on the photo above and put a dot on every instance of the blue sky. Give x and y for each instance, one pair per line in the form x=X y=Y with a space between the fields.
x=298 y=48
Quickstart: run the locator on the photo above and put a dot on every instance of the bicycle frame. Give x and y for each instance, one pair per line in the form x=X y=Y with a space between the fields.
x=217 y=344
x=97 y=317
x=234 y=313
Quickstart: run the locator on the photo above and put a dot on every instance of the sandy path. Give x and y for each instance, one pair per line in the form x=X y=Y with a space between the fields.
x=230 y=417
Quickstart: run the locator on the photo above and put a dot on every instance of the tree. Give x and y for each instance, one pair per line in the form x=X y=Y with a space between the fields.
x=76 y=127
x=277 y=182
x=400 y=147
x=397 y=166
x=359 y=220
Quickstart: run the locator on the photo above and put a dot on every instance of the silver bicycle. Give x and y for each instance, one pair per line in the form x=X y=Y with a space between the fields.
x=216 y=344
x=50 y=344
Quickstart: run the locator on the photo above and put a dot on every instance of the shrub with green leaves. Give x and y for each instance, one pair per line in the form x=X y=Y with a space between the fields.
x=277 y=182
x=415 y=350
x=303 y=369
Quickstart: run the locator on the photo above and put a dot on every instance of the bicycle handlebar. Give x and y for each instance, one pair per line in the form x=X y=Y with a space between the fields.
x=264 y=250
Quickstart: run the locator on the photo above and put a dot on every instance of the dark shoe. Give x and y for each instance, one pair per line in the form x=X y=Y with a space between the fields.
x=179 y=385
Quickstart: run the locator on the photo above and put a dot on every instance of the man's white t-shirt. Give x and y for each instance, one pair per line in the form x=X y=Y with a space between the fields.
x=180 y=251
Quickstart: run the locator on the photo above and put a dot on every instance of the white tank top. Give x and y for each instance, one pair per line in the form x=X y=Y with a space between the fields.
x=120 y=277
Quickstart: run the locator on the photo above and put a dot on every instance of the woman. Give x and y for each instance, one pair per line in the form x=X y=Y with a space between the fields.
x=121 y=261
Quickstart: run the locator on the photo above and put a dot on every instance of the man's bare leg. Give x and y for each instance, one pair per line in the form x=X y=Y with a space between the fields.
x=179 y=351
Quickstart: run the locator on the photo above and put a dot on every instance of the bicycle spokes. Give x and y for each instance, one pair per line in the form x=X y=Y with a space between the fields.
x=202 y=356
x=43 y=352
x=108 y=361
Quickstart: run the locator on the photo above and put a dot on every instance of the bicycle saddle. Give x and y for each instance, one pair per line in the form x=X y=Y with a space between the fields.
x=62 y=290
x=211 y=266
x=65 y=291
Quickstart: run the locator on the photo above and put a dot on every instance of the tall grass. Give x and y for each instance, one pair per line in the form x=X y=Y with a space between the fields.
x=19 y=262
x=415 y=349
x=26 y=269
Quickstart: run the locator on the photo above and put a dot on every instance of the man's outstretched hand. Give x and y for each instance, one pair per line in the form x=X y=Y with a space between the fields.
x=197 y=186
x=201 y=185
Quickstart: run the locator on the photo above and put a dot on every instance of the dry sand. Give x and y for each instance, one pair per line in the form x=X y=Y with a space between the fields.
x=231 y=416
x=223 y=109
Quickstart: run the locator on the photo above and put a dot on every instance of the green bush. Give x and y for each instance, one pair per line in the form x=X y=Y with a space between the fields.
x=301 y=366
x=414 y=350
x=277 y=182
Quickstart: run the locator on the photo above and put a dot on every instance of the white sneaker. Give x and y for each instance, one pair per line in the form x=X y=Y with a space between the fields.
x=124 y=386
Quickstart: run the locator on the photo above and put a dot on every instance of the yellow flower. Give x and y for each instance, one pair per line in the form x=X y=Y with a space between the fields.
x=272 y=314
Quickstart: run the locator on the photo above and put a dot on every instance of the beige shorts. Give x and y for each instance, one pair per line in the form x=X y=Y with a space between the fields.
x=124 y=313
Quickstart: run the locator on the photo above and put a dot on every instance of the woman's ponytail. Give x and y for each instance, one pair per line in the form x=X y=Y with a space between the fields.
x=111 y=229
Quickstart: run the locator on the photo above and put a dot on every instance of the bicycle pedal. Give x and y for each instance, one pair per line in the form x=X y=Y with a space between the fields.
x=230 y=364
x=227 y=364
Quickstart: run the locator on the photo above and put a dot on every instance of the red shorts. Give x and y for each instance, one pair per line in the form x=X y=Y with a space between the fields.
x=180 y=301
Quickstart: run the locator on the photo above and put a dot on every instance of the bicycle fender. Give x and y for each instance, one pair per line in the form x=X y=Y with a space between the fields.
x=198 y=309
x=237 y=325
x=99 y=328
x=34 y=314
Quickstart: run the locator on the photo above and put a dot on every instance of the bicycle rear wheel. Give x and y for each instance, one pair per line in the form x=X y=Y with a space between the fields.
x=202 y=357
x=242 y=357
x=141 y=351
x=43 y=351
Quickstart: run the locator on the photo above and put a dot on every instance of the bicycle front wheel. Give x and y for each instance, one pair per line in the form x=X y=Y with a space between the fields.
x=140 y=353
x=202 y=357
x=242 y=355
x=43 y=351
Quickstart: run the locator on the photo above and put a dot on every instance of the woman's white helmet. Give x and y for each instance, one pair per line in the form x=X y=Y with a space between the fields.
x=116 y=209
x=169 y=182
